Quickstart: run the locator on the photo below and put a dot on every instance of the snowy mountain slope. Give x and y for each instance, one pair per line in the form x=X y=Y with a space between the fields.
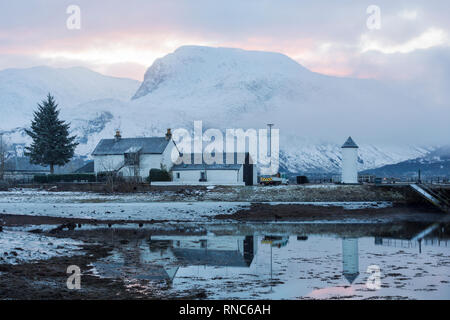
x=326 y=158
x=250 y=88
x=22 y=89
x=234 y=88
x=433 y=164
x=229 y=88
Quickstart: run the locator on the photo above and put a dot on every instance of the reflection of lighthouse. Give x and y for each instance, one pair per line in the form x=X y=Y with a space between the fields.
x=350 y=259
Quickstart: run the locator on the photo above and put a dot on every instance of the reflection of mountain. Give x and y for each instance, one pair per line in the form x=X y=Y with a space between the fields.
x=350 y=259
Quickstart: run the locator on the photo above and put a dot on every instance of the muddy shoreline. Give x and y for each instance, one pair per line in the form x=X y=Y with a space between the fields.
x=294 y=212
x=16 y=220
x=46 y=279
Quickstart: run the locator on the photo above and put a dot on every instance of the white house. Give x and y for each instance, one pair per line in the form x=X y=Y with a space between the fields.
x=133 y=157
x=233 y=172
x=349 y=162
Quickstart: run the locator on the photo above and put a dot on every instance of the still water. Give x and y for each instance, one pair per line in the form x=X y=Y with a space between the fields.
x=284 y=266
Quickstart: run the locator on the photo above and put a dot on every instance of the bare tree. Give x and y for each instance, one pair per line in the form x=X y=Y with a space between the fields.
x=110 y=169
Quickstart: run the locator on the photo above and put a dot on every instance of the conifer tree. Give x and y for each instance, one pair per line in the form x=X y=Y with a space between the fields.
x=51 y=144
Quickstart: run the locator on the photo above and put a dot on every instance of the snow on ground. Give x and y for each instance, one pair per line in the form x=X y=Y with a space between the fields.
x=139 y=206
x=322 y=186
x=189 y=211
x=36 y=195
x=21 y=247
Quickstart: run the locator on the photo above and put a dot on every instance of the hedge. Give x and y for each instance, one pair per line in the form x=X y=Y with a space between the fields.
x=4 y=185
x=71 y=177
x=159 y=175
x=106 y=176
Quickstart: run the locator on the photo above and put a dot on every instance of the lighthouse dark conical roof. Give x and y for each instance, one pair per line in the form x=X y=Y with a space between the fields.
x=349 y=143
x=351 y=277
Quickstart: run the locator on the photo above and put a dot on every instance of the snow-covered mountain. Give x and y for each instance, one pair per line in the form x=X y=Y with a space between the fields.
x=22 y=89
x=326 y=158
x=432 y=165
x=86 y=98
x=226 y=88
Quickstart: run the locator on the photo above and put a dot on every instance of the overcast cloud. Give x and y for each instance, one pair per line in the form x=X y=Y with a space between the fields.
x=123 y=38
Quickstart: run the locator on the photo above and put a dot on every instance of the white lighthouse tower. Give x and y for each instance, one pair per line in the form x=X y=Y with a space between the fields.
x=350 y=259
x=349 y=161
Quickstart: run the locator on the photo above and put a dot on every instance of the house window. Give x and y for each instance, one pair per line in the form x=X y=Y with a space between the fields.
x=131 y=159
x=202 y=176
x=178 y=175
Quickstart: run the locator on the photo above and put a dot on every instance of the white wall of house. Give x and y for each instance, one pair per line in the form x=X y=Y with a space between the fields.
x=225 y=176
x=186 y=175
x=212 y=176
x=147 y=162
x=154 y=161
x=166 y=159
x=107 y=162
x=113 y=162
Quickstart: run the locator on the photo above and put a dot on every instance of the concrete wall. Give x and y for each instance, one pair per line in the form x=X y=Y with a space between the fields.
x=349 y=165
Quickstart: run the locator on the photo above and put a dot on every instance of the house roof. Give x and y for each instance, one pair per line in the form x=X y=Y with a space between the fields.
x=23 y=164
x=150 y=145
x=349 y=143
x=236 y=164
x=351 y=276
x=87 y=168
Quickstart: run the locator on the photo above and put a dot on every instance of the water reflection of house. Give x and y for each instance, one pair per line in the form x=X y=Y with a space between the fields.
x=350 y=259
x=171 y=252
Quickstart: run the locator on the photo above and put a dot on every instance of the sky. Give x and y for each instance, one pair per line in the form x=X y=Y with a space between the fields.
x=407 y=40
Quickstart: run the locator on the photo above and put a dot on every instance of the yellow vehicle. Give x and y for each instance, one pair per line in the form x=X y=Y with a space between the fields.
x=274 y=180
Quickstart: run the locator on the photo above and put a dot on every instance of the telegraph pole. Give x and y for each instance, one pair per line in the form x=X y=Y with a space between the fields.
x=270 y=125
x=2 y=158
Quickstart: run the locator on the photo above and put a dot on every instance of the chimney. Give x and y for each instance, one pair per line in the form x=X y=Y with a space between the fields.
x=117 y=137
x=168 y=134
